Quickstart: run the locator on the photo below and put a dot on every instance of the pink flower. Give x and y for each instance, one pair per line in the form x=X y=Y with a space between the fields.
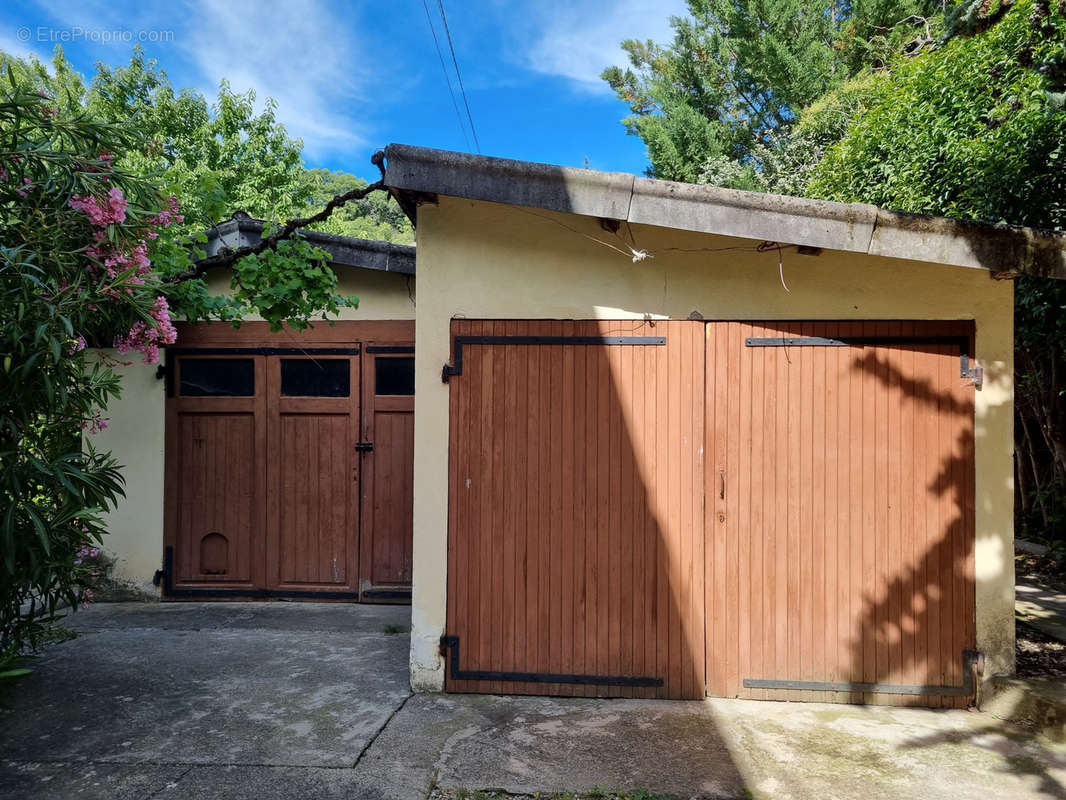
x=117 y=204
x=148 y=338
x=169 y=214
x=77 y=345
x=101 y=212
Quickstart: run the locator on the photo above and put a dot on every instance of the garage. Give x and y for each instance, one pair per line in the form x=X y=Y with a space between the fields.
x=675 y=508
x=289 y=462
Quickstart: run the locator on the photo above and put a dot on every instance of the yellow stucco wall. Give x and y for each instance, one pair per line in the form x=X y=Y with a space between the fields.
x=135 y=432
x=135 y=438
x=495 y=261
x=382 y=295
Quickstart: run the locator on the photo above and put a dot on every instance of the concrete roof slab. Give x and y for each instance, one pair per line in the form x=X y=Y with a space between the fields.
x=347 y=251
x=751 y=215
x=503 y=180
x=850 y=227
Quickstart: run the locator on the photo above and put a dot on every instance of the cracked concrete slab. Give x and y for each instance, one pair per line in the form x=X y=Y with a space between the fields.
x=85 y=781
x=258 y=687
x=264 y=701
x=530 y=744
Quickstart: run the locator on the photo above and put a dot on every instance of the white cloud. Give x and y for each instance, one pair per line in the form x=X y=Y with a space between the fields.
x=12 y=44
x=300 y=54
x=578 y=39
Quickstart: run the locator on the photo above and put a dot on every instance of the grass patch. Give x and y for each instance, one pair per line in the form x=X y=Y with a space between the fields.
x=392 y=629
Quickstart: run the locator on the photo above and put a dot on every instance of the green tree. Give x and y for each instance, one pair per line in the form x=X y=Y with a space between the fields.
x=95 y=249
x=738 y=72
x=219 y=158
x=374 y=217
x=977 y=130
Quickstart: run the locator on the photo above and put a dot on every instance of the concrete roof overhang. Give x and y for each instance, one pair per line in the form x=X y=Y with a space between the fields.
x=415 y=174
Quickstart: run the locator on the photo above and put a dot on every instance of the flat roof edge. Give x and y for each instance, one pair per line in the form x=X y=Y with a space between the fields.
x=853 y=227
x=347 y=251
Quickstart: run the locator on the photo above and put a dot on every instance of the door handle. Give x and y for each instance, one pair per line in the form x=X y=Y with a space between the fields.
x=364 y=447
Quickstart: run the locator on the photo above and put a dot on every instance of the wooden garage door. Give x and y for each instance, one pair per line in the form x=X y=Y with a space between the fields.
x=575 y=549
x=818 y=546
x=839 y=525
x=289 y=463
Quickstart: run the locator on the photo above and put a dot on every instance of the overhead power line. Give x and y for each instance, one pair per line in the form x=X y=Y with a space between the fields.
x=447 y=78
x=462 y=90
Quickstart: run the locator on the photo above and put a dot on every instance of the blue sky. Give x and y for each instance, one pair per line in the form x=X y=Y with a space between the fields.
x=352 y=77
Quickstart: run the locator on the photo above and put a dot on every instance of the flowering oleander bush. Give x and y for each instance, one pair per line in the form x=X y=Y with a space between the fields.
x=75 y=272
x=96 y=251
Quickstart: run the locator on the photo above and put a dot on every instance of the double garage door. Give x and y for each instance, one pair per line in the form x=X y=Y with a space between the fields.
x=289 y=463
x=674 y=509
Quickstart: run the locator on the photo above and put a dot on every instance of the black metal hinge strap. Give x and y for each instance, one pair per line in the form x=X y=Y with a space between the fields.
x=452 y=644
x=611 y=341
x=966 y=370
x=970 y=658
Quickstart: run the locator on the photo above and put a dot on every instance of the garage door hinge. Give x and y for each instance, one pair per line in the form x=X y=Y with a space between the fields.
x=970 y=372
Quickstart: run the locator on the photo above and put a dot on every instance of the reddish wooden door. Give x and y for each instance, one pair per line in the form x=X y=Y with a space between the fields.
x=268 y=460
x=214 y=471
x=313 y=472
x=575 y=562
x=387 y=479
x=840 y=493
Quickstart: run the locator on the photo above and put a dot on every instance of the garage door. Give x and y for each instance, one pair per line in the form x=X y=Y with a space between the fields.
x=796 y=497
x=575 y=554
x=288 y=468
x=840 y=492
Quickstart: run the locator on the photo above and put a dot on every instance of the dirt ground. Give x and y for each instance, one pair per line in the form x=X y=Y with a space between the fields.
x=1039 y=655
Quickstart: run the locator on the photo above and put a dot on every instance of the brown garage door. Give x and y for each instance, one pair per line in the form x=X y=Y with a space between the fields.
x=826 y=547
x=267 y=464
x=575 y=554
x=840 y=492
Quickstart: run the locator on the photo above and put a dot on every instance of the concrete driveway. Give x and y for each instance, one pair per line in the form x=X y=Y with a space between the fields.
x=289 y=700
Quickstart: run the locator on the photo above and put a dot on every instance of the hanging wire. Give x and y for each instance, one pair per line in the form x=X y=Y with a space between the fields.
x=462 y=89
x=641 y=255
x=447 y=78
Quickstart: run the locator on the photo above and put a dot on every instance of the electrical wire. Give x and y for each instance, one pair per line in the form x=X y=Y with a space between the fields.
x=462 y=89
x=447 y=78
x=641 y=255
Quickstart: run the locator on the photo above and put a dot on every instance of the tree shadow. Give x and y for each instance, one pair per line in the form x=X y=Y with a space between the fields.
x=929 y=591
x=575 y=547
